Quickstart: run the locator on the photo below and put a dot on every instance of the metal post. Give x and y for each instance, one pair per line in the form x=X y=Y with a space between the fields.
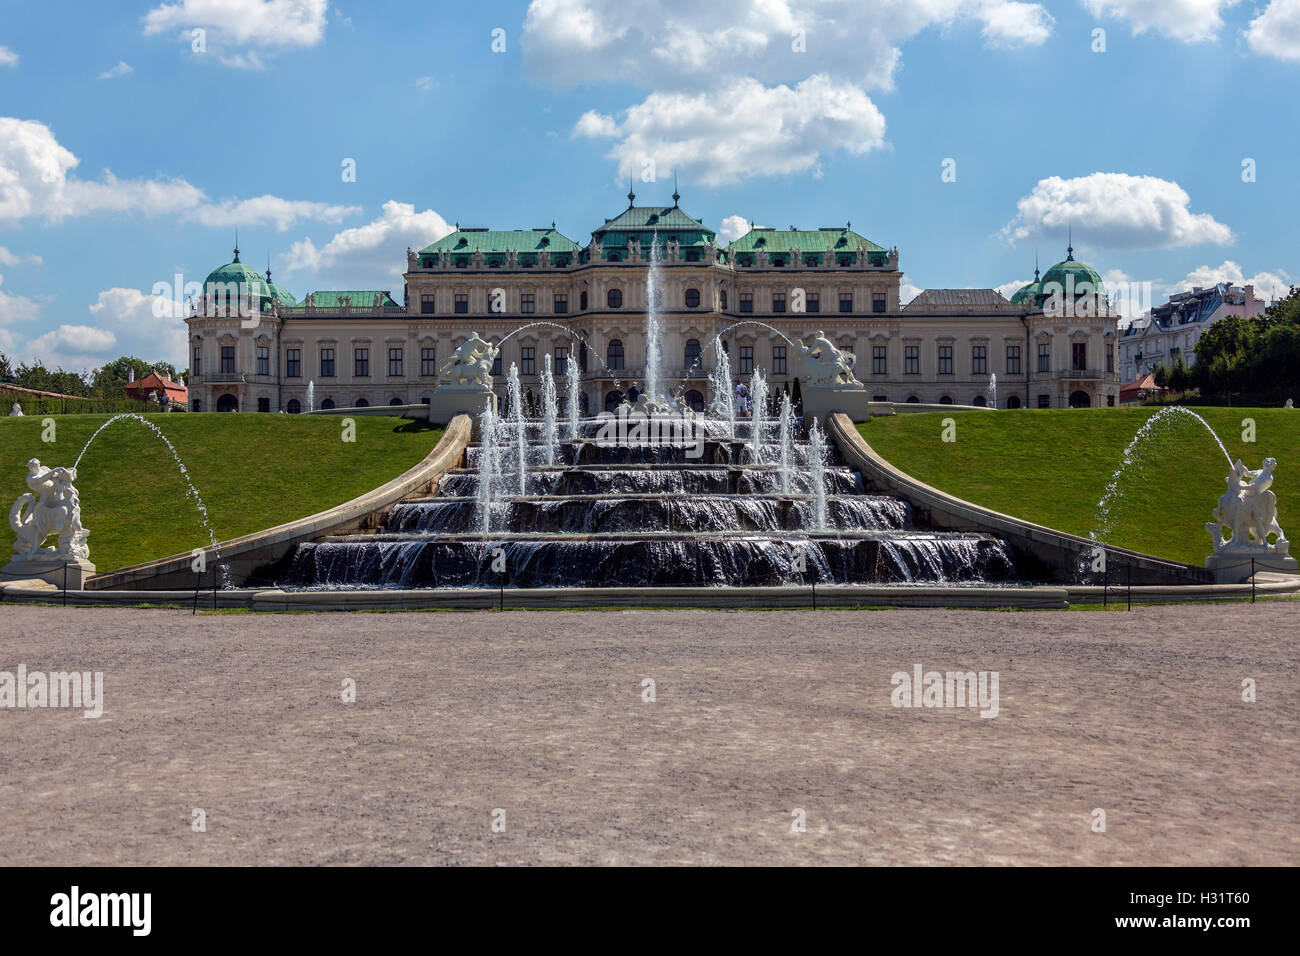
x=1130 y=587
x=198 y=585
x=1105 y=582
x=214 y=586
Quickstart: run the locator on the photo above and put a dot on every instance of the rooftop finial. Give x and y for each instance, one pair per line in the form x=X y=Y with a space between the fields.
x=268 y=265
x=631 y=196
x=1069 y=249
x=1035 y=265
x=676 y=196
x=236 y=243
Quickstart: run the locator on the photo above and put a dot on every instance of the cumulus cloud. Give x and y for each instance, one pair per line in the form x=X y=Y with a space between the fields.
x=15 y=308
x=139 y=323
x=73 y=347
x=1008 y=289
x=372 y=255
x=1266 y=283
x=242 y=31
x=740 y=130
x=1115 y=210
x=1276 y=31
x=8 y=258
x=907 y=290
x=8 y=57
x=1191 y=21
x=35 y=183
x=122 y=69
x=732 y=228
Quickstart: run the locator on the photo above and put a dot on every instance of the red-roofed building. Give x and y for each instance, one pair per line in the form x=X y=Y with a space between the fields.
x=1135 y=392
x=144 y=389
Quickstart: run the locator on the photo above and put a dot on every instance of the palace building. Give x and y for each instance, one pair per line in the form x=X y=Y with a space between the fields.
x=255 y=347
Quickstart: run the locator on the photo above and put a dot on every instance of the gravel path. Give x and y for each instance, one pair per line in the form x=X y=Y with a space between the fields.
x=542 y=715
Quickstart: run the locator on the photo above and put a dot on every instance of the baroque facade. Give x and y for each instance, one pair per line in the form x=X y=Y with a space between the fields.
x=1171 y=331
x=255 y=347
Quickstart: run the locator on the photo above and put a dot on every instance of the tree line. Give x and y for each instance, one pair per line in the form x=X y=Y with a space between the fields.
x=104 y=383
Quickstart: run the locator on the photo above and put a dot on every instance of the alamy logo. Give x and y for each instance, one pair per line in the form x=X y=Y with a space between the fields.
x=946 y=689
x=635 y=428
x=103 y=909
x=71 y=689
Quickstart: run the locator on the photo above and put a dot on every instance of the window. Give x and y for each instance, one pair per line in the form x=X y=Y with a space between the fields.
x=426 y=303
x=263 y=360
x=228 y=359
x=722 y=299
x=1013 y=401
x=1110 y=360
x=263 y=404
x=1044 y=359
x=328 y=403
x=496 y=362
x=462 y=303
x=878 y=302
x=979 y=359
x=979 y=401
x=1110 y=402
x=778 y=360
x=197 y=405
x=912 y=360
x=695 y=399
x=1078 y=356
x=614 y=354
x=326 y=363
x=528 y=360
x=394 y=401
x=361 y=362
x=527 y=303
x=879 y=359
x=945 y=359
x=614 y=298
x=561 y=303
x=692 y=298
x=746 y=302
x=846 y=301
x=692 y=353
x=198 y=359
x=394 y=363
x=747 y=360
x=428 y=362
x=294 y=406
x=945 y=399
x=778 y=301
x=582 y=302
x=1013 y=359
x=562 y=360
x=361 y=403
x=293 y=363
x=813 y=302
x=1044 y=401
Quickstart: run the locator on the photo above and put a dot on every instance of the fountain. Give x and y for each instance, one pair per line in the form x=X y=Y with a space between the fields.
x=817 y=474
x=489 y=467
x=518 y=426
x=993 y=390
x=311 y=396
x=724 y=402
x=1244 y=518
x=653 y=304
x=575 y=396
x=758 y=395
x=786 y=436
x=550 y=413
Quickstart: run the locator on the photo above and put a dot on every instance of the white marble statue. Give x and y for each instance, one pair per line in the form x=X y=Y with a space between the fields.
x=824 y=364
x=470 y=364
x=1247 y=513
x=52 y=507
x=16 y=410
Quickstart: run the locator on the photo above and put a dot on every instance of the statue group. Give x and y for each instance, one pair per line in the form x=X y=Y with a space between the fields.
x=470 y=365
x=1247 y=513
x=51 y=507
x=824 y=364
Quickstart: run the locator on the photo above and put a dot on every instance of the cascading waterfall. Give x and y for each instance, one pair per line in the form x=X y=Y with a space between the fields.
x=519 y=425
x=724 y=402
x=993 y=390
x=787 y=428
x=758 y=391
x=817 y=473
x=311 y=395
x=489 y=467
x=652 y=350
x=575 y=395
x=550 y=413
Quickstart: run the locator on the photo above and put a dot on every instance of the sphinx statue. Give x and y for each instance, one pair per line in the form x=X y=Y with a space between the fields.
x=51 y=507
x=1246 y=513
x=824 y=364
x=469 y=365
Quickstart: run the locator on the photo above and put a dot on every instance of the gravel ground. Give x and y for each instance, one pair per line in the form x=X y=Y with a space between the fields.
x=541 y=714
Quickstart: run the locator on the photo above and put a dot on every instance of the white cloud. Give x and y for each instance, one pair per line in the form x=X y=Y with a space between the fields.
x=73 y=347
x=139 y=323
x=741 y=130
x=35 y=183
x=1008 y=289
x=1265 y=283
x=907 y=290
x=122 y=69
x=15 y=308
x=426 y=84
x=1276 y=31
x=8 y=258
x=369 y=256
x=8 y=57
x=1115 y=210
x=1191 y=21
x=732 y=228
x=232 y=27
x=670 y=45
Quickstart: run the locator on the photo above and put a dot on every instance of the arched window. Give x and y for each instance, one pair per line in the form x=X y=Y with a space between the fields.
x=361 y=403
x=196 y=405
x=294 y=406
x=880 y=398
x=1080 y=399
x=227 y=403
x=328 y=403
x=722 y=299
x=613 y=400
x=582 y=301
x=695 y=399
x=692 y=353
x=1013 y=401
x=396 y=401
x=945 y=400
x=614 y=297
x=692 y=298
x=614 y=354
x=913 y=400
x=978 y=401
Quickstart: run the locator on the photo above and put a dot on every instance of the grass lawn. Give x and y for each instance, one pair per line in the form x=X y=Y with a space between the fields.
x=1053 y=467
x=252 y=471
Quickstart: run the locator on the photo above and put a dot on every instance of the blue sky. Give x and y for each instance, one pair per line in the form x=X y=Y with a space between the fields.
x=810 y=114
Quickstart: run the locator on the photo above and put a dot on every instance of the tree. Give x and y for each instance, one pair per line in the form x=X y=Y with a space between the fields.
x=6 y=368
x=1180 y=376
x=1161 y=376
x=110 y=378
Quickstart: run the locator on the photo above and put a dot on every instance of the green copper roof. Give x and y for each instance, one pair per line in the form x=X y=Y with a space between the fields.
x=359 y=299
x=502 y=240
x=282 y=295
x=806 y=240
x=1027 y=292
x=236 y=272
x=652 y=218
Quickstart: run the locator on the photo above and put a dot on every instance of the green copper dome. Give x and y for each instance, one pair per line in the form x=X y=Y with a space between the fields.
x=1085 y=278
x=1027 y=292
x=240 y=279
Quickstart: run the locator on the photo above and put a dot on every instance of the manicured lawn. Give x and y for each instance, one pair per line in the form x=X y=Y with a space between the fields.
x=1053 y=466
x=252 y=471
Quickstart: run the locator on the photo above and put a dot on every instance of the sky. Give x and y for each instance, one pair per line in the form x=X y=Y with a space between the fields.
x=973 y=135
